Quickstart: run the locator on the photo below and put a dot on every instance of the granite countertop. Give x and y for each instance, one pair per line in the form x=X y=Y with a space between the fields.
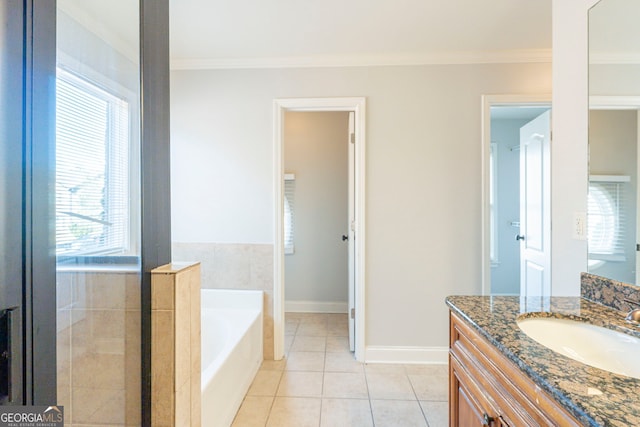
x=593 y=396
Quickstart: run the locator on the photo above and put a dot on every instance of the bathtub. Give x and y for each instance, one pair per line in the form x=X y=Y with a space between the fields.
x=231 y=351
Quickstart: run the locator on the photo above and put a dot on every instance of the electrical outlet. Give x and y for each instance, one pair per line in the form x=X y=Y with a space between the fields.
x=580 y=225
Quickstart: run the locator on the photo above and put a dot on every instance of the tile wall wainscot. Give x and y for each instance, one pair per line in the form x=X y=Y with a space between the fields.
x=609 y=292
x=98 y=325
x=235 y=266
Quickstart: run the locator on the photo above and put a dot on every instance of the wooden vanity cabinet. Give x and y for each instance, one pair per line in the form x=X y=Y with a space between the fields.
x=487 y=389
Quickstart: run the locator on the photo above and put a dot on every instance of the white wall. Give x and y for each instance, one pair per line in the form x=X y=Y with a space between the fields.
x=614 y=79
x=423 y=174
x=569 y=173
x=316 y=151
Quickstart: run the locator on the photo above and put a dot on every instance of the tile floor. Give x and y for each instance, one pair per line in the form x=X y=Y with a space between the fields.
x=319 y=383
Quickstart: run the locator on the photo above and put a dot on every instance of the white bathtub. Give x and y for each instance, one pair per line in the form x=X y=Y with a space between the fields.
x=231 y=351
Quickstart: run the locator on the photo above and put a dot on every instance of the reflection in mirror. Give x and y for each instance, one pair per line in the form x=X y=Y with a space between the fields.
x=97 y=212
x=612 y=193
x=614 y=86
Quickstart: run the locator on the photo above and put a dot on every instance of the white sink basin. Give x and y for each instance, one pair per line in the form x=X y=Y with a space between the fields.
x=592 y=345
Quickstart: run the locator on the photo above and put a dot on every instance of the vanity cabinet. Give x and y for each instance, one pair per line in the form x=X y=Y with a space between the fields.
x=487 y=389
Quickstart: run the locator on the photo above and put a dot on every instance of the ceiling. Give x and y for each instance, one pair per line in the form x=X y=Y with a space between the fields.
x=218 y=34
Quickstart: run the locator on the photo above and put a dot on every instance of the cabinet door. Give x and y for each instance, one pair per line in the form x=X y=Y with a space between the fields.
x=468 y=414
x=469 y=409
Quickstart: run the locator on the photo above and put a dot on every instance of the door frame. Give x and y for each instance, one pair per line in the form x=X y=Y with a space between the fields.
x=280 y=107
x=488 y=101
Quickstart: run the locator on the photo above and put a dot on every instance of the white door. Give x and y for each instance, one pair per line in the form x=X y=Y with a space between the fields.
x=351 y=233
x=535 y=207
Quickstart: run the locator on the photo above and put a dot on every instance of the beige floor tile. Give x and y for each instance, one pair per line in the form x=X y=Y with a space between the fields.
x=345 y=385
x=390 y=386
x=384 y=368
x=288 y=342
x=300 y=384
x=293 y=316
x=430 y=387
x=397 y=413
x=346 y=413
x=295 y=412
x=305 y=361
x=304 y=343
x=342 y=318
x=423 y=369
x=291 y=326
x=265 y=383
x=312 y=329
x=437 y=413
x=274 y=365
x=317 y=318
x=338 y=330
x=253 y=412
x=338 y=344
x=342 y=362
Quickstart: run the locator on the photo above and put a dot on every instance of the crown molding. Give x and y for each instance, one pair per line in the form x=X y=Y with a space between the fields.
x=363 y=60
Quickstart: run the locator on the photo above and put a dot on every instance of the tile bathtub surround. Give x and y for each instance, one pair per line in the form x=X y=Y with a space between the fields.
x=609 y=292
x=235 y=266
x=319 y=383
x=175 y=346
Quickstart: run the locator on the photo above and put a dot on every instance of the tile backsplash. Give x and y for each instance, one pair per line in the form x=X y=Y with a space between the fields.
x=614 y=294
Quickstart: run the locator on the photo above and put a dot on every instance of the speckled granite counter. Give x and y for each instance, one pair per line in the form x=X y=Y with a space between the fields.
x=593 y=396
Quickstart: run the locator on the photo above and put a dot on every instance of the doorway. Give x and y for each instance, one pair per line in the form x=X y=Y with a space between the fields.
x=353 y=228
x=505 y=153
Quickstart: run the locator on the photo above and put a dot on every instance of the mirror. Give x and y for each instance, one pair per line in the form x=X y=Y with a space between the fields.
x=614 y=104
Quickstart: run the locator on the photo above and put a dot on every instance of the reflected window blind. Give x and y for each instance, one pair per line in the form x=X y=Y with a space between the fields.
x=92 y=169
x=289 y=211
x=606 y=220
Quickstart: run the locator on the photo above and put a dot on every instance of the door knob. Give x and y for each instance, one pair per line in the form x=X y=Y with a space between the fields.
x=519 y=237
x=345 y=237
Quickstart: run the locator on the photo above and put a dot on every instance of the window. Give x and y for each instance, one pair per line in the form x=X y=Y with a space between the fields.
x=92 y=169
x=289 y=187
x=606 y=218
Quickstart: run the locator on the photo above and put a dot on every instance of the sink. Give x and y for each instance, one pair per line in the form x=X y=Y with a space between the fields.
x=592 y=345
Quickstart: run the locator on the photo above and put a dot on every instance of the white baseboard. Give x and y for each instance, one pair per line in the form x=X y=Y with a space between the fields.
x=393 y=354
x=315 y=307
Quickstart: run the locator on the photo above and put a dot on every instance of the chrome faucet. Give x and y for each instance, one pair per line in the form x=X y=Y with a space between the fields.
x=633 y=316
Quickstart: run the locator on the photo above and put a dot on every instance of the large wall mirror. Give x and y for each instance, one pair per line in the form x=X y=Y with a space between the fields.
x=614 y=139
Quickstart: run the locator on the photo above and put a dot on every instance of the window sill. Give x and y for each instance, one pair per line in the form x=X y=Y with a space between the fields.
x=97 y=264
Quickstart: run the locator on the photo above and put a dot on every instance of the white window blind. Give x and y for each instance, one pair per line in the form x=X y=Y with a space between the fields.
x=606 y=219
x=92 y=169
x=289 y=210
